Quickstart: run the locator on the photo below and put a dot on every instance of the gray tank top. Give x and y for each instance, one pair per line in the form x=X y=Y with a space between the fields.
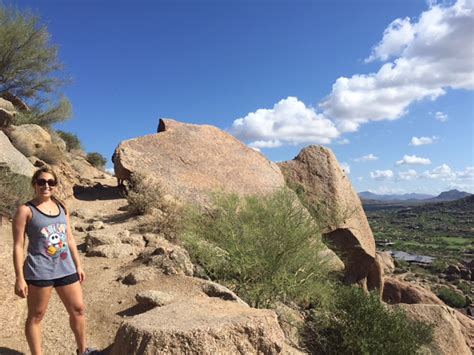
x=48 y=252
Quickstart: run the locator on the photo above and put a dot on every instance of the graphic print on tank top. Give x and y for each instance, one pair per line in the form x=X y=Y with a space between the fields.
x=54 y=240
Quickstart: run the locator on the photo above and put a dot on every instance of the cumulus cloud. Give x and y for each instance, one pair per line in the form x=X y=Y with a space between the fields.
x=407 y=175
x=413 y=160
x=369 y=157
x=381 y=175
x=431 y=55
x=288 y=122
x=467 y=174
x=442 y=172
x=346 y=168
x=415 y=141
x=441 y=116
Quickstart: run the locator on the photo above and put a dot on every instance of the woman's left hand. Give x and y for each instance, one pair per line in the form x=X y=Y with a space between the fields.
x=82 y=274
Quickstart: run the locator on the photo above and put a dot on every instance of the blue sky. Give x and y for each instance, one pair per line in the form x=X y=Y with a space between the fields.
x=387 y=85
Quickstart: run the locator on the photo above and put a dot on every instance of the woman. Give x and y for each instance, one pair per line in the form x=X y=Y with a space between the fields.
x=52 y=261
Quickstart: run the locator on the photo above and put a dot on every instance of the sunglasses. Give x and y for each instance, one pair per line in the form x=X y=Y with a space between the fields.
x=50 y=182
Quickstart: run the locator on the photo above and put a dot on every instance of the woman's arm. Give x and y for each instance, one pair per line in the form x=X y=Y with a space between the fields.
x=73 y=249
x=18 y=228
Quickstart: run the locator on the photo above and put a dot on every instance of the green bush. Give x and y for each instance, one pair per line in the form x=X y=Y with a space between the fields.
x=361 y=324
x=14 y=190
x=266 y=249
x=71 y=140
x=162 y=214
x=451 y=298
x=96 y=159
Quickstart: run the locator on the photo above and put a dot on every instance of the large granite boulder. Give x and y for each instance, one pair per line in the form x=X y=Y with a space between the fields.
x=201 y=326
x=450 y=336
x=192 y=161
x=12 y=159
x=7 y=112
x=17 y=102
x=316 y=175
x=30 y=139
x=398 y=291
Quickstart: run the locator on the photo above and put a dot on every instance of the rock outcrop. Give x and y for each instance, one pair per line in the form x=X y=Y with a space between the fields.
x=12 y=159
x=398 y=291
x=7 y=113
x=30 y=139
x=192 y=161
x=448 y=337
x=207 y=326
x=316 y=174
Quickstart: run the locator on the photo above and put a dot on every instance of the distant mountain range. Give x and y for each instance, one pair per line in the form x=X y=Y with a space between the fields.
x=451 y=195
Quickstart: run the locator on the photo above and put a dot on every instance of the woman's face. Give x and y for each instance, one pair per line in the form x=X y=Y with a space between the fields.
x=44 y=185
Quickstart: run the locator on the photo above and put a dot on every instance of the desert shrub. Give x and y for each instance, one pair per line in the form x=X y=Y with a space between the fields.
x=71 y=140
x=451 y=298
x=14 y=190
x=51 y=154
x=146 y=197
x=266 y=248
x=362 y=324
x=464 y=286
x=96 y=159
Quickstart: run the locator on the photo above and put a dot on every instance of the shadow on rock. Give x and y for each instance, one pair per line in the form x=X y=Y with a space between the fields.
x=97 y=192
x=135 y=310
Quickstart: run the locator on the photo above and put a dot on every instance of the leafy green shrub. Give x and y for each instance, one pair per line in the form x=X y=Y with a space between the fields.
x=71 y=140
x=361 y=324
x=14 y=190
x=464 y=286
x=266 y=248
x=451 y=298
x=96 y=159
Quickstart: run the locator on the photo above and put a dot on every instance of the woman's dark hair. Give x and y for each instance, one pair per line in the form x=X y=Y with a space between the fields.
x=48 y=170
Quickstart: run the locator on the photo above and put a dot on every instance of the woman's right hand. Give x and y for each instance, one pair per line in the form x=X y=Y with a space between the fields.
x=21 y=288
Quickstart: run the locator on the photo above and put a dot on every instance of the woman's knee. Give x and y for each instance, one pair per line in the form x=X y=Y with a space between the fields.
x=78 y=310
x=35 y=316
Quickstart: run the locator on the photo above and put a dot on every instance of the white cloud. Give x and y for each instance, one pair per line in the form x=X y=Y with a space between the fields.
x=288 y=122
x=407 y=175
x=266 y=144
x=467 y=174
x=346 y=168
x=110 y=170
x=442 y=172
x=412 y=160
x=369 y=157
x=434 y=53
x=395 y=38
x=360 y=178
x=381 y=175
x=343 y=141
x=415 y=141
x=440 y=116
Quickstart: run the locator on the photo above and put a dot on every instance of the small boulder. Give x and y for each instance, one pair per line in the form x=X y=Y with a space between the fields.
x=386 y=260
x=113 y=251
x=154 y=298
x=213 y=289
x=398 y=291
x=138 y=275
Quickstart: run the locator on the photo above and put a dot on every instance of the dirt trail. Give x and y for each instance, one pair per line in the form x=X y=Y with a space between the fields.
x=108 y=301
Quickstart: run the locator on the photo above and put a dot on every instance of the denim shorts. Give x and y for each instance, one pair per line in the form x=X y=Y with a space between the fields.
x=62 y=281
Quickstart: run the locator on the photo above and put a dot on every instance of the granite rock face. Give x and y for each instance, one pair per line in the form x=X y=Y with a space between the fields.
x=449 y=333
x=316 y=174
x=206 y=326
x=12 y=159
x=193 y=161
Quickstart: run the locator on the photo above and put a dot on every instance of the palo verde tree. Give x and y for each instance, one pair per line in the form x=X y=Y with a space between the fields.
x=30 y=69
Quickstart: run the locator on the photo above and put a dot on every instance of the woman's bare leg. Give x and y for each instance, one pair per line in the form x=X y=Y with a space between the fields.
x=37 y=300
x=71 y=296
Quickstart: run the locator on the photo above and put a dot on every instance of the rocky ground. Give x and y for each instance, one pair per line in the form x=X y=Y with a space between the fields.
x=108 y=300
